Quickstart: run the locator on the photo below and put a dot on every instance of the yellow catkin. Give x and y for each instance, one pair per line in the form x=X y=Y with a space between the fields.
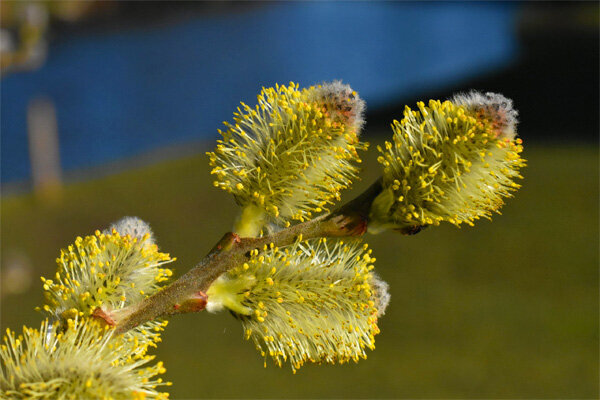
x=451 y=161
x=131 y=268
x=83 y=361
x=313 y=301
x=293 y=153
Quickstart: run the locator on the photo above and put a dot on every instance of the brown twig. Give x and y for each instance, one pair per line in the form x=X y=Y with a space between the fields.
x=187 y=294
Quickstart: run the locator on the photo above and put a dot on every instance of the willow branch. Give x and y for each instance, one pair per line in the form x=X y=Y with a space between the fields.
x=186 y=294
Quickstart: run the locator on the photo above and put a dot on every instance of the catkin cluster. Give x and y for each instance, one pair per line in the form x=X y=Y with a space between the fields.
x=318 y=301
x=284 y=160
x=75 y=355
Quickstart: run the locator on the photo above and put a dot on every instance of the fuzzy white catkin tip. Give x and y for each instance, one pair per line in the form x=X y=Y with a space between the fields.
x=381 y=294
x=342 y=102
x=496 y=106
x=134 y=227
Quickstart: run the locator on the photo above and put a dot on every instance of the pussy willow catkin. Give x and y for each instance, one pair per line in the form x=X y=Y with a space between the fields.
x=313 y=301
x=291 y=155
x=449 y=161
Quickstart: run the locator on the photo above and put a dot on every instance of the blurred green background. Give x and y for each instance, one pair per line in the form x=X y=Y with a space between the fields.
x=506 y=309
